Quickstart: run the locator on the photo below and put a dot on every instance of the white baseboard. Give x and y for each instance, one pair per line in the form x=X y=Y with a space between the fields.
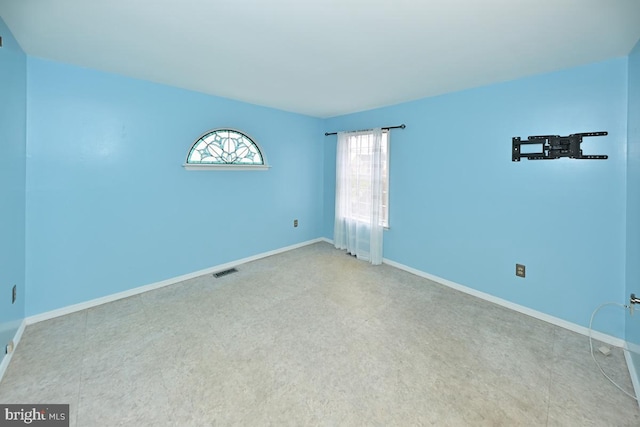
x=135 y=291
x=7 y=358
x=609 y=339
x=635 y=379
x=633 y=373
x=634 y=348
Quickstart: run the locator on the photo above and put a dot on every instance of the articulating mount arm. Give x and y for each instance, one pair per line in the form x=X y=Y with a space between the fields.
x=553 y=147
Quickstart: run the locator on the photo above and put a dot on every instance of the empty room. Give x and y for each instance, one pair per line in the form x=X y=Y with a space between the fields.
x=336 y=213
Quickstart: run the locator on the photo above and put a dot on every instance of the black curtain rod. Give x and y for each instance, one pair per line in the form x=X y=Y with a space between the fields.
x=402 y=126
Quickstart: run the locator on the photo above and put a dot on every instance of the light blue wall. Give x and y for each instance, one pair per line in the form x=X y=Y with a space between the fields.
x=633 y=202
x=109 y=206
x=13 y=112
x=462 y=210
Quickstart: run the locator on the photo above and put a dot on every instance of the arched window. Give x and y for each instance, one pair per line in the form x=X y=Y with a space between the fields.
x=226 y=149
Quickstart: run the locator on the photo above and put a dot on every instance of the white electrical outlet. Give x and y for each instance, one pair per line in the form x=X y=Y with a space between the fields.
x=9 y=348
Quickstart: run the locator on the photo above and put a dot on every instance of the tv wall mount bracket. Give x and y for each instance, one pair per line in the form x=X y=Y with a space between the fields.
x=553 y=147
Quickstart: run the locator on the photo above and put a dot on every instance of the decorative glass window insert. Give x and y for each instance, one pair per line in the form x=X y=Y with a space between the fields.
x=225 y=148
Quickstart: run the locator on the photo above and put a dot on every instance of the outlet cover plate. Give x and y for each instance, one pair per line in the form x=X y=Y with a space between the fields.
x=520 y=270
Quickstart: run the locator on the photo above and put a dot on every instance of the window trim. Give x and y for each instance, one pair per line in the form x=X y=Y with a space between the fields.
x=226 y=166
x=386 y=135
x=230 y=166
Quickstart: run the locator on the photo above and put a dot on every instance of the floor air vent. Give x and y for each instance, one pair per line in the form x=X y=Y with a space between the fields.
x=224 y=273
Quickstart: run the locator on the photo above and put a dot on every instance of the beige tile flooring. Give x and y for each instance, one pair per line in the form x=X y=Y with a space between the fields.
x=314 y=337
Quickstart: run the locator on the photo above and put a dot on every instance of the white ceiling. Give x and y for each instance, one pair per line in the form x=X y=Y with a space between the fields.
x=325 y=57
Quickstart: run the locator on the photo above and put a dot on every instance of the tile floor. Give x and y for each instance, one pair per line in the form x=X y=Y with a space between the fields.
x=314 y=337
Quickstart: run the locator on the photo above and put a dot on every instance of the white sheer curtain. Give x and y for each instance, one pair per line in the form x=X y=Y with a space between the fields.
x=358 y=221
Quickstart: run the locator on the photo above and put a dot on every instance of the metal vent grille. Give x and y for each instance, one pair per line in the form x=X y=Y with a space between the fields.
x=224 y=273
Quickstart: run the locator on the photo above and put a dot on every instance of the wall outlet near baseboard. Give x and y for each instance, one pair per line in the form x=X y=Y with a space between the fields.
x=14 y=294
x=9 y=348
x=295 y=222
